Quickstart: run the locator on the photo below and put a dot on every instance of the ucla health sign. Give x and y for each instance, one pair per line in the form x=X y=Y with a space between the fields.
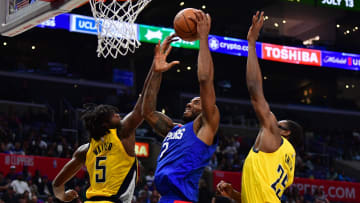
x=83 y=24
x=231 y=46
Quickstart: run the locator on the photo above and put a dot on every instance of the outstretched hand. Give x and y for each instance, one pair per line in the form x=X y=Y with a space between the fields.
x=225 y=189
x=70 y=195
x=257 y=23
x=203 y=24
x=161 y=52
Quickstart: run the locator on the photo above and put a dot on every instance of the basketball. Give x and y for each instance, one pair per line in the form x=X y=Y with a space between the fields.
x=184 y=27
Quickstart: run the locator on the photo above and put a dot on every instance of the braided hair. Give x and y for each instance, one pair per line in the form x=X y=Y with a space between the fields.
x=94 y=118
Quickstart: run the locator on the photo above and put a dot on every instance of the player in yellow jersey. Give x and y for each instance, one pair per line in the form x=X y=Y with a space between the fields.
x=269 y=167
x=110 y=154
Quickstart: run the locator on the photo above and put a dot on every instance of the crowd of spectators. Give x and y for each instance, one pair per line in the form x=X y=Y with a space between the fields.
x=36 y=134
x=24 y=187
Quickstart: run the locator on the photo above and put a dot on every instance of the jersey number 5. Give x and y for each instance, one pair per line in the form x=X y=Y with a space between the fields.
x=100 y=178
x=283 y=181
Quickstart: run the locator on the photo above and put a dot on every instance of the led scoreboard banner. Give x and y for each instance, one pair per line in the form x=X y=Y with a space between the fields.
x=344 y=4
x=219 y=44
x=353 y=5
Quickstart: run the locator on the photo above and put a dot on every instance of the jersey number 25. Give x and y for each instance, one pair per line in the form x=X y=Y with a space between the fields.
x=283 y=181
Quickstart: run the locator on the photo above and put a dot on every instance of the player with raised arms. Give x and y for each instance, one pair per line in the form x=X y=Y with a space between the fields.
x=109 y=156
x=269 y=167
x=186 y=149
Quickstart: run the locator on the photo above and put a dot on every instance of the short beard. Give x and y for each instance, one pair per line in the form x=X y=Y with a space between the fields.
x=190 y=118
x=116 y=126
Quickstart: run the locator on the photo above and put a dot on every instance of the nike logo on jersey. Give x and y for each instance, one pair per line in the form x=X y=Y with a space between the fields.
x=288 y=161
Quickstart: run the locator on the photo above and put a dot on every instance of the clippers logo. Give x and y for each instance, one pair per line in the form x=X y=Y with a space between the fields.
x=291 y=54
x=153 y=35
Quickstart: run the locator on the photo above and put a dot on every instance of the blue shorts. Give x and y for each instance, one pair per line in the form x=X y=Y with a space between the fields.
x=172 y=199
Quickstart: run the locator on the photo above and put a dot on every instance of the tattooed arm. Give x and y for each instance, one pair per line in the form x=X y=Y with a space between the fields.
x=161 y=123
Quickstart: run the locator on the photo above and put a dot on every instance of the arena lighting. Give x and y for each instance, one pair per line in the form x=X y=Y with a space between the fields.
x=276 y=24
x=5 y=43
x=352 y=86
x=189 y=67
x=348 y=31
x=163 y=111
x=266 y=17
x=346 y=86
x=356 y=28
x=33 y=47
x=284 y=21
x=310 y=41
x=203 y=6
x=182 y=3
x=265 y=78
x=178 y=70
x=337 y=25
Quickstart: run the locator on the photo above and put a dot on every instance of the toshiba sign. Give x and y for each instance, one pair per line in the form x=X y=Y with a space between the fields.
x=142 y=149
x=291 y=54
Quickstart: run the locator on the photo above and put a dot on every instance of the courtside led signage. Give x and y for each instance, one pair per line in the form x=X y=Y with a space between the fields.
x=153 y=34
x=343 y=4
x=232 y=46
x=220 y=44
x=291 y=54
x=142 y=149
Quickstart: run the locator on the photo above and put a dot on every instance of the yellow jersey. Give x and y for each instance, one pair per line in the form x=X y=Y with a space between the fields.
x=266 y=175
x=112 y=172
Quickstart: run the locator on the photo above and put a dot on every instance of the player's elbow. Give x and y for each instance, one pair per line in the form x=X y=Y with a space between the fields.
x=56 y=183
x=204 y=78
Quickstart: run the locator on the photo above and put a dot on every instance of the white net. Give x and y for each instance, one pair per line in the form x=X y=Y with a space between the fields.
x=117 y=33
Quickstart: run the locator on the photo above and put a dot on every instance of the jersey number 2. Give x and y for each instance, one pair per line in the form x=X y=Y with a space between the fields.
x=100 y=178
x=283 y=181
x=166 y=146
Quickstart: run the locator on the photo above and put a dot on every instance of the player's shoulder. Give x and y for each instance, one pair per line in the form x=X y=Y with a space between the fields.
x=81 y=151
x=288 y=149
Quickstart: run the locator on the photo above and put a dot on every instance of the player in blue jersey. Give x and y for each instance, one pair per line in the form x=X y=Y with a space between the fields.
x=188 y=148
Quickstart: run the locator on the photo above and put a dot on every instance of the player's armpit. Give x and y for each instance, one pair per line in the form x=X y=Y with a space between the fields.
x=161 y=123
x=208 y=127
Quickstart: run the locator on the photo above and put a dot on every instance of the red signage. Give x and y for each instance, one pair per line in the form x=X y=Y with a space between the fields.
x=142 y=149
x=335 y=190
x=46 y=165
x=287 y=54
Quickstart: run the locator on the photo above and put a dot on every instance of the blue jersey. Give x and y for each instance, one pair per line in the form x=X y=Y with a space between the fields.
x=181 y=162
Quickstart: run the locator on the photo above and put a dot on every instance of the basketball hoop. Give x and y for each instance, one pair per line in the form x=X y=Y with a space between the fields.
x=117 y=33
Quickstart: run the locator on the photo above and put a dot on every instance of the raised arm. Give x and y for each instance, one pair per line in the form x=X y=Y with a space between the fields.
x=210 y=113
x=255 y=87
x=67 y=172
x=133 y=119
x=161 y=123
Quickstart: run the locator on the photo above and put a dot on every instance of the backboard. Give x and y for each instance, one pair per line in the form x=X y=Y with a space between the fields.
x=17 y=16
